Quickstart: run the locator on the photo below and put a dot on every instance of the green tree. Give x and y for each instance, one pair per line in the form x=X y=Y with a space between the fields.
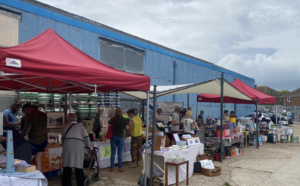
x=284 y=92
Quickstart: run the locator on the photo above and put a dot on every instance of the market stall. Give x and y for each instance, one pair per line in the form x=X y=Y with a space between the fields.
x=105 y=152
x=161 y=157
x=49 y=64
x=216 y=86
x=256 y=96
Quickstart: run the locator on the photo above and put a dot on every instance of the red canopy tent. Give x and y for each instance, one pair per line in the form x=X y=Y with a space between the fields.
x=48 y=63
x=257 y=97
x=244 y=88
x=253 y=93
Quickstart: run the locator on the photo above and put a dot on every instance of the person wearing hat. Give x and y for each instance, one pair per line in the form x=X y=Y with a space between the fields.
x=175 y=122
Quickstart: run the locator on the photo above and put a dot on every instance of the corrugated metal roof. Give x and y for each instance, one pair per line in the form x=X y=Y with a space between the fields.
x=83 y=19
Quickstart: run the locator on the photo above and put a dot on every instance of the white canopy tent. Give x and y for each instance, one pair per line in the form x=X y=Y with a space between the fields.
x=207 y=87
x=216 y=86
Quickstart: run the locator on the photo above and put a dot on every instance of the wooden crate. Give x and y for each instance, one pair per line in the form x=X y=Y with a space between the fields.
x=211 y=172
x=203 y=157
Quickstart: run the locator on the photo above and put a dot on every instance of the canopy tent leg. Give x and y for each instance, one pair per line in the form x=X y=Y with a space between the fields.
x=196 y=115
x=147 y=135
x=188 y=101
x=276 y=120
x=221 y=110
x=70 y=98
x=234 y=108
x=143 y=108
x=66 y=106
x=257 y=144
x=153 y=136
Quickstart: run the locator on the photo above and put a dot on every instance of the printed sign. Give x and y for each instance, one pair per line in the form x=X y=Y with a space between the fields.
x=167 y=109
x=13 y=62
x=106 y=152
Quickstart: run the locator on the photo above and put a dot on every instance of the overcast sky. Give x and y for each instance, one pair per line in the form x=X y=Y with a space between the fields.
x=259 y=39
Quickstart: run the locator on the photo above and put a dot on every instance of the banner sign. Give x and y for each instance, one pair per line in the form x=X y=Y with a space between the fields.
x=167 y=110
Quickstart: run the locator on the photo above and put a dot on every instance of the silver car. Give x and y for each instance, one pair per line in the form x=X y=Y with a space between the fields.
x=246 y=118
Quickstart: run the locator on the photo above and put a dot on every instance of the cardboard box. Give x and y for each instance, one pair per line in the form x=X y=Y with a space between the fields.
x=185 y=139
x=32 y=168
x=159 y=141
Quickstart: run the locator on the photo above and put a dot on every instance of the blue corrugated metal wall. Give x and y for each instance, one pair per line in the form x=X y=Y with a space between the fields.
x=158 y=66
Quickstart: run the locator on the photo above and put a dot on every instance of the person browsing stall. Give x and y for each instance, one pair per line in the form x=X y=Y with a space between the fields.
x=200 y=116
x=36 y=128
x=11 y=114
x=232 y=119
x=117 y=140
x=136 y=133
x=75 y=139
x=22 y=149
x=226 y=117
x=175 y=122
x=158 y=114
x=188 y=124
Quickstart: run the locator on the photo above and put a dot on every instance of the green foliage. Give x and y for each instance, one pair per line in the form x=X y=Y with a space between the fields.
x=284 y=92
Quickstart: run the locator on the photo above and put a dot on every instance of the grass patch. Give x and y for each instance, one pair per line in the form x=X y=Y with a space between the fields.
x=227 y=184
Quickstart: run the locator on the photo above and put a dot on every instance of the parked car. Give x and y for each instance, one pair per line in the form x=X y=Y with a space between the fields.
x=249 y=116
x=279 y=117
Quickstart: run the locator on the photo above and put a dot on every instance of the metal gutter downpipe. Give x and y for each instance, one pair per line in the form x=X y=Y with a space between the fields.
x=153 y=136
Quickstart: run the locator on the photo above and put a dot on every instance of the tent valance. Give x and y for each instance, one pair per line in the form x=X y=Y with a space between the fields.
x=246 y=89
x=48 y=63
x=212 y=98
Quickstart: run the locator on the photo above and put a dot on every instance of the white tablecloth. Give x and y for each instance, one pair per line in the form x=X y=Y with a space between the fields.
x=33 y=179
x=190 y=154
x=105 y=152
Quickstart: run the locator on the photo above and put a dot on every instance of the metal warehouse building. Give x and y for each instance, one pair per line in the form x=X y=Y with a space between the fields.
x=21 y=20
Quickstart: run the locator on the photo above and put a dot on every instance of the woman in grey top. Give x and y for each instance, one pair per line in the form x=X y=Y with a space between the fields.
x=74 y=139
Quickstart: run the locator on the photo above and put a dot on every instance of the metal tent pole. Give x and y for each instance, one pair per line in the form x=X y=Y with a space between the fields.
x=70 y=98
x=153 y=136
x=143 y=107
x=196 y=115
x=66 y=107
x=188 y=101
x=257 y=144
x=234 y=108
x=147 y=135
x=221 y=136
x=276 y=120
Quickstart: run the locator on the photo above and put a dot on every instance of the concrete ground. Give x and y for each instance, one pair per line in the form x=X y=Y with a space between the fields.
x=271 y=164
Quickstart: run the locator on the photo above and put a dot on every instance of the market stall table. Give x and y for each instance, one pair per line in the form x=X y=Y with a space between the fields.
x=161 y=157
x=105 y=152
x=33 y=178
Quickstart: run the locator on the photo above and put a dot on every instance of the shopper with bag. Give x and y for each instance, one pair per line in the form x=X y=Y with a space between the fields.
x=75 y=139
x=116 y=131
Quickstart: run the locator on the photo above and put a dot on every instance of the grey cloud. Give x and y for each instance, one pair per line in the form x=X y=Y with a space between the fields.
x=260 y=39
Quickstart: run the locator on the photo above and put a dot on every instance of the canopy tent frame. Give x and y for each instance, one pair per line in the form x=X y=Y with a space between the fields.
x=155 y=95
x=32 y=66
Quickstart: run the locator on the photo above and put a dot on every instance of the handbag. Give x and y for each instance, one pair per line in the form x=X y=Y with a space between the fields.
x=109 y=132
